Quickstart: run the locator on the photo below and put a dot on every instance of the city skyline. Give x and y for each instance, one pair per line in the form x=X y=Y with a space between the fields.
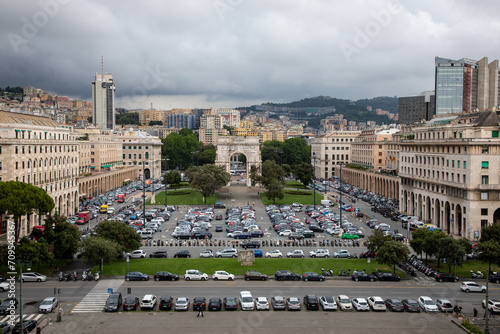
x=236 y=53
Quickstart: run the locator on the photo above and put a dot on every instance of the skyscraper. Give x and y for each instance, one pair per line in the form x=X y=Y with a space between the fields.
x=103 y=101
x=466 y=85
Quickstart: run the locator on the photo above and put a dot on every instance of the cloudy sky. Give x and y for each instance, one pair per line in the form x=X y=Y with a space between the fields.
x=228 y=53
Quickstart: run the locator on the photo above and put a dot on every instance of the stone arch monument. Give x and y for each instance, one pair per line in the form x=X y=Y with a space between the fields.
x=230 y=145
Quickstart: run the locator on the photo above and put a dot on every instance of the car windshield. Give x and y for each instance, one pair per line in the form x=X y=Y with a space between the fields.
x=294 y=302
x=129 y=301
x=428 y=302
x=46 y=302
x=112 y=300
x=379 y=303
x=397 y=303
x=6 y=302
x=181 y=301
x=247 y=299
x=412 y=303
x=345 y=300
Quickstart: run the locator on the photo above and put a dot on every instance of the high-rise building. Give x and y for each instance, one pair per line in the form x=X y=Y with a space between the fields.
x=465 y=85
x=230 y=117
x=414 y=109
x=103 y=101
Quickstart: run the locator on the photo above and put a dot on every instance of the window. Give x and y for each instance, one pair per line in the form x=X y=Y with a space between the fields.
x=484 y=179
x=485 y=149
x=123 y=155
x=484 y=212
x=124 y=147
x=484 y=164
x=484 y=196
x=458 y=163
x=130 y=147
x=140 y=156
x=130 y=156
x=465 y=164
x=494 y=134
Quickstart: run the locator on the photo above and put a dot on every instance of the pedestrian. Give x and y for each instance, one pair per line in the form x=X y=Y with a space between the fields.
x=200 y=312
x=475 y=312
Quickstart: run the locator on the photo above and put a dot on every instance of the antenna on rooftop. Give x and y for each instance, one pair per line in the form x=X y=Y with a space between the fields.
x=151 y=105
x=102 y=65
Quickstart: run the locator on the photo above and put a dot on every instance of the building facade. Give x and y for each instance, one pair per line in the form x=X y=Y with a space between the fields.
x=103 y=101
x=376 y=149
x=414 y=109
x=142 y=150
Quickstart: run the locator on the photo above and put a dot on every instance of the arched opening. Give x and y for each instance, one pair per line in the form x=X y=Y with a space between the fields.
x=447 y=217
x=458 y=220
x=238 y=168
x=147 y=173
x=428 y=209
x=496 y=216
x=437 y=214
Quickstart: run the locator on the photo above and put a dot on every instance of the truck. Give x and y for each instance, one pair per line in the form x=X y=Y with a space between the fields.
x=104 y=208
x=121 y=198
x=326 y=202
x=83 y=217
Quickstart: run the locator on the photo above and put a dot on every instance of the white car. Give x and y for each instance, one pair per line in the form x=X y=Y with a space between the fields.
x=261 y=303
x=493 y=305
x=48 y=305
x=192 y=274
x=320 y=253
x=274 y=253
x=207 y=253
x=222 y=275
x=472 y=287
x=148 y=302
x=285 y=233
x=344 y=303
x=377 y=303
x=360 y=304
x=4 y=286
x=33 y=277
x=138 y=254
x=296 y=253
x=328 y=303
x=427 y=304
x=343 y=253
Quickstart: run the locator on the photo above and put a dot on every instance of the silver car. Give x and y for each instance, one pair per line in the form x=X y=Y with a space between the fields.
x=293 y=303
x=182 y=304
x=33 y=277
x=48 y=305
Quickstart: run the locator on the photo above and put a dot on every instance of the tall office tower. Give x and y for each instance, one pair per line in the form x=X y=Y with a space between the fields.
x=414 y=109
x=465 y=85
x=103 y=101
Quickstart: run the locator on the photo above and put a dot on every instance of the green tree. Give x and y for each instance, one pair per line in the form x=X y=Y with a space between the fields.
x=178 y=147
x=270 y=153
x=207 y=155
x=128 y=118
x=96 y=248
x=172 y=177
x=271 y=171
x=490 y=232
x=391 y=253
x=254 y=175
x=125 y=236
x=60 y=234
x=228 y=128
x=450 y=249
x=430 y=244
x=275 y=190
x=36 y=251
x=418 y=238
x=207 y=178
x=376 y=240
x=489 y=252
x=18 y=199
x=295 y=151
x=185 y=132
x=304 y=173
x=151 y=123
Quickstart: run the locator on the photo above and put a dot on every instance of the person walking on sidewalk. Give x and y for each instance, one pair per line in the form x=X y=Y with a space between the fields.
x=475 y=312
x=200 y=312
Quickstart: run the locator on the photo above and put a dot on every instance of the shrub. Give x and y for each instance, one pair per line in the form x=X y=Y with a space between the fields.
x=471 y=328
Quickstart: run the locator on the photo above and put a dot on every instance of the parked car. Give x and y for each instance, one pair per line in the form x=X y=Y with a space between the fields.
x=4 y=286
x=362 y=276
x=182 y=304
x=7 y=304
x=348 y=235
x=113 y=302
x=230 y=304
x=427 y=304
x=182 y=254
x=278 y=303
x=360 y=304
x=343 y=253
x=493 y=305
x=136 y=276
x=5 y=327
x=166 y=303
x=261 y=303
x=325 y=253
x=297 y=253
x=222 y=275
x=441 y=277
x=48 y=305
x=230 y=252
x=376 y=303
x=293 y=304
x=344 y=303
x=199 y=303
x=444 y=305
x=411 y=305
x=131 y=304
x=148 y=302
x=312 y=276
x=165 y=276
x=193 y=274
x=384 y=276
x=286 y=275
x=255 y=275
x=215 y=304
x=274 y=253
x=207 y=253
x=495 y=278
x=33 y=277
x=28 y=326
x=159 y=254
x=257 y=253
x=394 y=305
x=328 y=303
x=137 y=254
x=472 y=287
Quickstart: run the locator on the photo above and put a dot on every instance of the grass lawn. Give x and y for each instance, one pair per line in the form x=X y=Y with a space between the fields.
x=266 y=266
x=45 y=269
x=294 y=184
x=305 y=198
x=183 y=197
x=180 y=185
x=463 y=270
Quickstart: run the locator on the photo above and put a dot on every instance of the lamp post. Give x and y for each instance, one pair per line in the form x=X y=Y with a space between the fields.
x=314 y=179
x=165 y=179
x=486 y=315
x=340 y=201
x=28 y=266
x=144 y=190
x=281 y=158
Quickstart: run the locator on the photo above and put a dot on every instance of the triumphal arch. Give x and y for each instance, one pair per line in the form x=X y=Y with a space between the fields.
x=228 y=146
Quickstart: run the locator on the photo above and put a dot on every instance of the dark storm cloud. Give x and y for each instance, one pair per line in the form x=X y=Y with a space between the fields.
x=225 y=53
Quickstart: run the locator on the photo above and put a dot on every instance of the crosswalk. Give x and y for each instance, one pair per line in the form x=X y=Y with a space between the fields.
x=32 y=316
x=95 y=300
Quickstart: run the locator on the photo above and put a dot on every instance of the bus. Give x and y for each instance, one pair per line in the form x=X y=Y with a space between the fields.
x=121 y=198
x=104 y=208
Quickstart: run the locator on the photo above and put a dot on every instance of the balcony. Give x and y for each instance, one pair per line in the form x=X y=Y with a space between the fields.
x=489 y=187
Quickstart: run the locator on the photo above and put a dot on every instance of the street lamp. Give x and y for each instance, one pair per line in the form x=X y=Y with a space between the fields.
x=143 y=190
x=340 y=201
x=486 y=315
x=165 y=180
x=28 y=266
x=314 y=179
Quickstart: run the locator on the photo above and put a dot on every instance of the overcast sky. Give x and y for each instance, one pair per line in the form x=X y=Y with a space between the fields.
x=229 y=53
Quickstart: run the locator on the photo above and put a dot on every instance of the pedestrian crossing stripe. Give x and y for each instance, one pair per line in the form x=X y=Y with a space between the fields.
x=33 y=316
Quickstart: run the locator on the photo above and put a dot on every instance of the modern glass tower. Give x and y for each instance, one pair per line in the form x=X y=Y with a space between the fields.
x=103 y=101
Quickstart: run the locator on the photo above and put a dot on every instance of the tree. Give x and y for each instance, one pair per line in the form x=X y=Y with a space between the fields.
x=275 y=189
x=172 y=177
x=287 y=168
x=207 y=156
x=151 y=123
x=376 y=240
x=391 y=253
x=450 y=249
x=418 y=238
x=295 y=151
x=270 y=153
x=254 y=174
x=96 y=248
x=61 y=235
x=125 y=236
x=178 y=147
x=489 y=252
x=430 y=244
x=304 y=173
x=271 y=171
x=490 y=232
x=20 y=199
x=207 y=178
x=36 y=251
x=130 y=118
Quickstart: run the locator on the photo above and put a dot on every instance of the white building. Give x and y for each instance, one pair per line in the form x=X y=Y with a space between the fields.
x=103 y=101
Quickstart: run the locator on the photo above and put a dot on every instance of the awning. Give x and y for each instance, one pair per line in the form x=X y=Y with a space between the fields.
x=17 y=130
x=81 y=170
x=105 y=166
x=92 y=167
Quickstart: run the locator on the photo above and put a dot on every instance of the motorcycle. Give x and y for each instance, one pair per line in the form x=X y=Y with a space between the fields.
x=61 y=276
x=344 y=273
x=96 y=277
x=327 y=272
x=84 y=275
x=68 y=277
x=75 y=274
x=479 y=274
x=90 y=276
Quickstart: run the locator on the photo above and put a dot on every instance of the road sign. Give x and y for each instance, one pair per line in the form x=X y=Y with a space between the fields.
x=110 y=291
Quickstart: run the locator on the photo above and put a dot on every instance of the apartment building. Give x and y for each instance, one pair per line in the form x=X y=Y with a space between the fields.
x=449 y=172
x=330 y=150
x=375 y=149
x=143 y=150
x=99 y=151
x=230 y=117
x=152 y=115
x=210 y=136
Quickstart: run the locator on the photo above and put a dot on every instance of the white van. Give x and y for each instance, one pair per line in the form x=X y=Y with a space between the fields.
x=145 y=234
x=326 y=202
x=246 y=301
